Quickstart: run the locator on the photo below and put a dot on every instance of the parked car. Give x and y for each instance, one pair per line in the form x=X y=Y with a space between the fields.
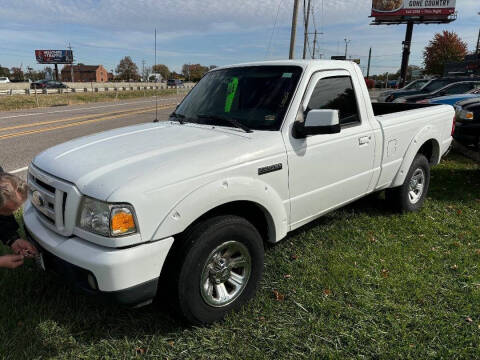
x=429 y=87
x=467 y=130
x=47 y=84
x=453 y=99
x=181 y=209
x=175 y=82
x=4 y=80
x=462 y=87
x=414 y=85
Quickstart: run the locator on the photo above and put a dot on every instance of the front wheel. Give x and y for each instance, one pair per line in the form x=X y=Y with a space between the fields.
x=411 y=195
x=219 y=267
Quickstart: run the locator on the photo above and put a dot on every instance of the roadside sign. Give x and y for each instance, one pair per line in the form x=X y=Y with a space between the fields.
x=54 y=56
x=418 y=10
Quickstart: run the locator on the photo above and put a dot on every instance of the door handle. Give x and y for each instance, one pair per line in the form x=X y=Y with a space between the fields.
x=364 y=140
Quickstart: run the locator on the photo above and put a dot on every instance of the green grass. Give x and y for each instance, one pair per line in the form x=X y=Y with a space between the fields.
x=361 y=282
x=17 y=102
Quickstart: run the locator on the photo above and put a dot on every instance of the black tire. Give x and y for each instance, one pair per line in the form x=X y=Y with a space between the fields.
x=188 y=263
x=400 y=197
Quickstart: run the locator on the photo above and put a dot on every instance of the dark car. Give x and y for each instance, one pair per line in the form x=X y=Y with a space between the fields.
x=414 y=85
x=462 y=87
x=429 y=87
x=47 y=84
x=467 y=130
x=175 y=82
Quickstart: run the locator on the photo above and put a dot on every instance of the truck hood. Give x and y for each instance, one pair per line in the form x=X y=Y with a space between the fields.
x=102 y=163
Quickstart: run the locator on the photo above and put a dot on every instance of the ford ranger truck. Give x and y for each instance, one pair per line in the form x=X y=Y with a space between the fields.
x=181 y=209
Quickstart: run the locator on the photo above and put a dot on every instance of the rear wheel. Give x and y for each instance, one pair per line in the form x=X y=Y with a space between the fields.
x=411 y=195
x=219 y=265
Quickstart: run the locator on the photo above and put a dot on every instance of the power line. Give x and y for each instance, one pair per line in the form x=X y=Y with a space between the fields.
x=273 y=30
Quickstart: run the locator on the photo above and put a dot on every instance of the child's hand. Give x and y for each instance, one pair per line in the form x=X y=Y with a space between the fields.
x=24 y=248
x=11 y=261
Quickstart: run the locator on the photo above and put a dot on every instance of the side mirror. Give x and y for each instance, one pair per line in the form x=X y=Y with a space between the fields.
x=317 y=122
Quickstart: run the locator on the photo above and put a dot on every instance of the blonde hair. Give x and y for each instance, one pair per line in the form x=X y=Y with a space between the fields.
x=12 y=188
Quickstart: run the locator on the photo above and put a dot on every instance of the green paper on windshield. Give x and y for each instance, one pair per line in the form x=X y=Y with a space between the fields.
x=231 y=90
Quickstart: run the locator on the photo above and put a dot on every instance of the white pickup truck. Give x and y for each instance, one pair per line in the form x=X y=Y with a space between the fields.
x=182 y=208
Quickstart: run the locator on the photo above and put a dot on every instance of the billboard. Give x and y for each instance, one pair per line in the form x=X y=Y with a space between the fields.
x=54 y=56
x=385 y=9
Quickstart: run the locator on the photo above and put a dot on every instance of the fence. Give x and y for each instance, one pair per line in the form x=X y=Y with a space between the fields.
x=93 y=88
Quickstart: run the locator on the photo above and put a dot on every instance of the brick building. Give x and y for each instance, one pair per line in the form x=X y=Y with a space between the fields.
x=85 y=73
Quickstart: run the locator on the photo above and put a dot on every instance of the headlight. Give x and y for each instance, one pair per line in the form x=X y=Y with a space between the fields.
x=465 y=115
x=400 y=100
x=106 y=219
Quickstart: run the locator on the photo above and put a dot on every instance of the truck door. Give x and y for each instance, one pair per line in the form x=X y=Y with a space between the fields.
x=326 y=171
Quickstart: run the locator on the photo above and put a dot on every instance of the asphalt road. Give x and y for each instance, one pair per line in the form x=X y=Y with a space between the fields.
x=25 y=133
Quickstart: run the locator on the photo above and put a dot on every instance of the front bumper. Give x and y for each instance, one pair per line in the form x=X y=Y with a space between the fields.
x=127 y=275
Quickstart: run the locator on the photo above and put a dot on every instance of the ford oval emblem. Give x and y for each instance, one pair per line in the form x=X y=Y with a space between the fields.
x=37 y=199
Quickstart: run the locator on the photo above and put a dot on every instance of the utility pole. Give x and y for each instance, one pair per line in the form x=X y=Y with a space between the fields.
x=71 y=65
x=347 y=41
x=305 y=34
x=143 y=69
x=368 y=66
x=156 y=92
x=406 y=54
x=315 y=42
x=294 y=29
x=478 y=42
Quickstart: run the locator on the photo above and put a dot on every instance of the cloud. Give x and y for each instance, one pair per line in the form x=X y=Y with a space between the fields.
x=211 y=31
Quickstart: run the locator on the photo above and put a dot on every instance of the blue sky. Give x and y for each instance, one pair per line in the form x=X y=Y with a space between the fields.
x=208 y=32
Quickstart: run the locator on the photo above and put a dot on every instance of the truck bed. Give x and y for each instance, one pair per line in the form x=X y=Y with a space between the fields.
x=390 y=108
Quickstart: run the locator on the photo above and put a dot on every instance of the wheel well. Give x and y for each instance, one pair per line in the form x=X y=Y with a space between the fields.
x=251 y=211
x=431 y=150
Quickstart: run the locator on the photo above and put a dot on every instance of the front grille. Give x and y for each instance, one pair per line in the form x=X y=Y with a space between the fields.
x=55 y=201
x=44 y=199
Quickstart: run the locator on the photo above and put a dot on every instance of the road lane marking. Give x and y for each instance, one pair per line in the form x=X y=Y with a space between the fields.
x=80 y=109
x=78 y=123
x=69 y=119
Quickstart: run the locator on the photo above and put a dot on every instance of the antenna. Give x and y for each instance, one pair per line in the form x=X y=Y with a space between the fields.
x=156 y=92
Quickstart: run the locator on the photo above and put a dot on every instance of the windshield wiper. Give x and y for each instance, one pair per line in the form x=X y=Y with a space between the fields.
x=231 y=121
x=179 y=117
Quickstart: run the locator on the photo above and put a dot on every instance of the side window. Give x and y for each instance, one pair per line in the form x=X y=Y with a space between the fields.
x=459 y=89
x=336 y=93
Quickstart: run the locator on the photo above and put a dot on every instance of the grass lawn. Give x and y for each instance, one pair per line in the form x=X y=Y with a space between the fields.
x=16 y=102
x=361 y=282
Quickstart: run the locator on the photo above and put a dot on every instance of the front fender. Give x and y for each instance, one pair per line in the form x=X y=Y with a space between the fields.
x=427 y=133
x=220 y=192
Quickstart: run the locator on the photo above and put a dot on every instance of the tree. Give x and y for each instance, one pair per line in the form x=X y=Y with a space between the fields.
x=162 y=70
x=127 y=69
x=4 y=72
x=194 y=72
x=34 y=74
x=16 y=73
x=146 y=71
x=444 y=48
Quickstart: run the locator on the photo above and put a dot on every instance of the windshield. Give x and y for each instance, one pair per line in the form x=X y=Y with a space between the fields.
x=256 y=96
x=415 y=85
